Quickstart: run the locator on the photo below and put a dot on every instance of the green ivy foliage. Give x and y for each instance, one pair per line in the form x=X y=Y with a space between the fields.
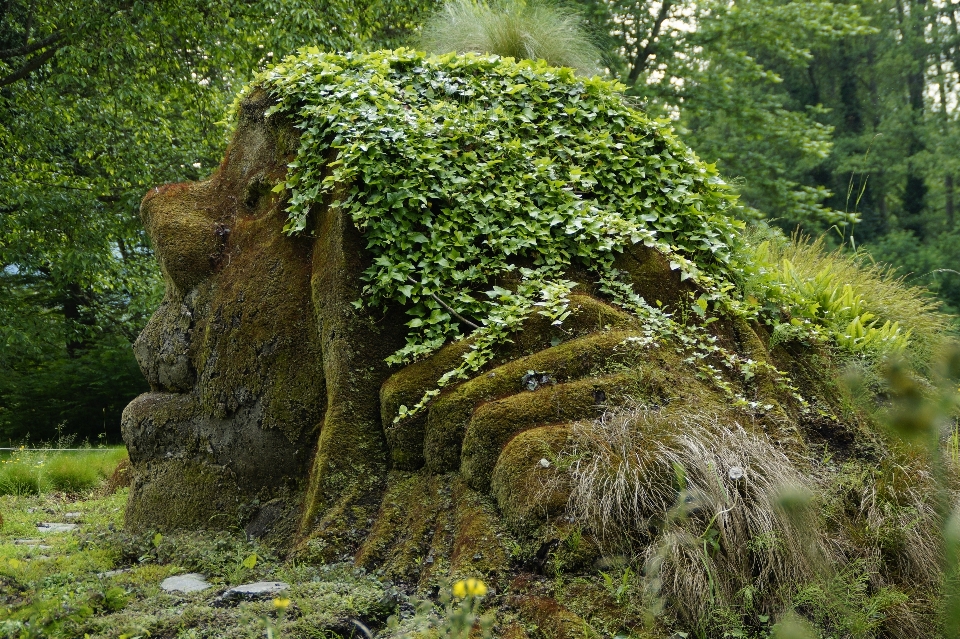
x=464 y=169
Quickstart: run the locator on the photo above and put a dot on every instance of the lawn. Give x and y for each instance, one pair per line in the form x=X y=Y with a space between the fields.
x=97 y=580
x=31 y=472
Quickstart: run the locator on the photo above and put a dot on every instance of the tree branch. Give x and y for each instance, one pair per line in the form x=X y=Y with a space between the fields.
x=32 y=65
x=30 y=48
x=450 y=310
x=640 y=62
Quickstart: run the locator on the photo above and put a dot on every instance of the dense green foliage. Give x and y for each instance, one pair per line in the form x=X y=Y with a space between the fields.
x=821 y=114
x=461 y=165
x=831 y=116
x=469 y=172
x=98 y=102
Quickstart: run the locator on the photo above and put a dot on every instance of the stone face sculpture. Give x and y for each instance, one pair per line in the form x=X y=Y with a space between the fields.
x=270 y=396
x=272 y=407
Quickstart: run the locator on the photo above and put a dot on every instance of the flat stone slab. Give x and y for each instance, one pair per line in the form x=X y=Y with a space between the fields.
x=50 y=527
x=112 y=573
x=190 y=582
x=33 y=544
x=256 y=590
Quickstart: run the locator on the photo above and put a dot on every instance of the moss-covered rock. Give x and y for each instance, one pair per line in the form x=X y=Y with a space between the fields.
x=273 y=406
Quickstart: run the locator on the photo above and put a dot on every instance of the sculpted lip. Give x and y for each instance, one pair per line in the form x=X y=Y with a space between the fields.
x=163 y=348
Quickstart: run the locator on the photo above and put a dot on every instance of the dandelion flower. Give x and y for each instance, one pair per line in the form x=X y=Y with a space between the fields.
x=469 y=588
x=281 y=603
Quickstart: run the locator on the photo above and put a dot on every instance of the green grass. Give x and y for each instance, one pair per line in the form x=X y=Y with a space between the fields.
x=62 y=589
x=26 y=472
x=863 y=308
x=516 y=29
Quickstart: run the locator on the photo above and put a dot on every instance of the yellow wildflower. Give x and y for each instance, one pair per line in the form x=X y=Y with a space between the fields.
x=281 y=603
x=469 y=588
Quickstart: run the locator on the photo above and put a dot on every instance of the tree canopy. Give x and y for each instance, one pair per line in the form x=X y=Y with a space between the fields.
x=830 y=117
x=99 y=102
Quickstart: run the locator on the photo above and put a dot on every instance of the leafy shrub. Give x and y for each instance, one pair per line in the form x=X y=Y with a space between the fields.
x=465 y=170
x=457 y=168
x=841 y=298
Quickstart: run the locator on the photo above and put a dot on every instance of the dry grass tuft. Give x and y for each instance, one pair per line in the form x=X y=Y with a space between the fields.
x=513 y=28
x=712 y=510
x=895 y=525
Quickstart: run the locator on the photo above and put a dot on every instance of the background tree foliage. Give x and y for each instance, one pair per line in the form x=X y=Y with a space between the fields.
x=831 y=117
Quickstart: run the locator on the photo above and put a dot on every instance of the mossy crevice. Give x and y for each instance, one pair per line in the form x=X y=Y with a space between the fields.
x=431 y=528
x=450 y=413
x=351 y=461
x=494 y=423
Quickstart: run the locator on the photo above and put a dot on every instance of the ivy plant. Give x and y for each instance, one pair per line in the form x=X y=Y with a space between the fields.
x=461 y=167
x=467 y=170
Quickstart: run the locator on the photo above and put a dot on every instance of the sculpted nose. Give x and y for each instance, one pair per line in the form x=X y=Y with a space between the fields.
x=182 y=226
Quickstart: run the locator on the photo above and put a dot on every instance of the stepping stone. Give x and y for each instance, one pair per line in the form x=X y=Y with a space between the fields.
x=112 y=573
x=71 y=515
x=257 y=590
x=191 y=582
x=34 y=544
x=48 y=527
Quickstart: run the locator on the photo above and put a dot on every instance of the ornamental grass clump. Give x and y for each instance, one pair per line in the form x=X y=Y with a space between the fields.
x=516 y=29
x=709 y=508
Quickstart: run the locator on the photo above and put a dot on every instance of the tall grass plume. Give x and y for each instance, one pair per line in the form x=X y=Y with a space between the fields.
x=513 y=28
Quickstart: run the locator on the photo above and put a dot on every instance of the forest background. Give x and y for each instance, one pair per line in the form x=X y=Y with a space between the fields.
x=832 y=118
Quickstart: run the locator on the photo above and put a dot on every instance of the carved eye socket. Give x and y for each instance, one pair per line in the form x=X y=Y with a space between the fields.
x=184 y=234
x=257 y=189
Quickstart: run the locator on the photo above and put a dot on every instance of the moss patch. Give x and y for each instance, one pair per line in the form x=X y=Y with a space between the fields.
x=450 y=413
x=527 y=492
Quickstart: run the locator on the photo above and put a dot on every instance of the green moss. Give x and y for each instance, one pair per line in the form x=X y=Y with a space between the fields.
x=234 y=340
x=528 y=493
x=494 y=423
x=431 y=528
x=179 y=494
x=552 y=619
x=350 y=464
x=478 y=541
x=651 y=276
x=405 y=388
x=450 y=413
x=183 y=232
